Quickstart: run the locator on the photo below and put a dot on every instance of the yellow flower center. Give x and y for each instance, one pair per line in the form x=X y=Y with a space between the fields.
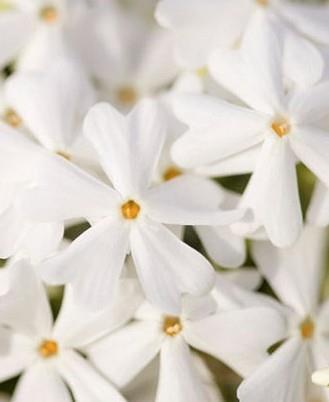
x=281 y=127
x=48 y=348
x=130 y=209
x=127 y=95
x=49 y=14
x=64 y=155
x=262 y=2
x=171 y=173
x=172 y=326
x=12 y=118
x=5 y=5
x=202 y=72
x=307 y=328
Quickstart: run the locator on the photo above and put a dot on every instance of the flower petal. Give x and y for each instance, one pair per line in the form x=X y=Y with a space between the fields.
x=318 y=211
x=167 y=267
x=179 y=379
x=131 y=349
x=91 y=264
x=177 y=202
x=210 y=120
x=295 y=273
x=54 y=113
x=222 y=245
x=273 y=195
x=64 y=191
x=84 y=381
x=240 y=338
x=281 y=378
x=44 y=383
x=311 y=145
x=121 y=143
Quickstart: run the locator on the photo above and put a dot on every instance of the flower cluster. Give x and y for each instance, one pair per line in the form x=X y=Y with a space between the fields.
x=130 y=263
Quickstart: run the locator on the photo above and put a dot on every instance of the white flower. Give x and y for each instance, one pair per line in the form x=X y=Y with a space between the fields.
x=51 y=105
x=277 y=130
x=47 y=354
x=19 y=163
x=236 y=337
x=34 y=32
x=128 y=57
x=295 y=276
x=205 y=25
x=128 y=217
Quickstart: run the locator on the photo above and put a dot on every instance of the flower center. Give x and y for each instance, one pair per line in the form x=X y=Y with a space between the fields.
x=64 y=155
x=5 y=5
x=48 y=348
x=281 y=127
x=202 y=72
x=49 y=14
x=307 y=328
x=172 y=326
x=262 y=2
x=127 y=95
x=171 y=173
x=130 y=209
x=12 y=118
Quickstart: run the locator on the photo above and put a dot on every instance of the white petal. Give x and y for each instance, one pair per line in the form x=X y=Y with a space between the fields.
x=217 y=130
x=309 y=19
x=25 y=307
x=77 y=327
x=75 y=194
x=310 y=106
x=179 y=379
x=295 y=273
x=240 y=338
x=318 y=211
x=311 y=145
x=167 y=267
x=202 y=26
x=15 y=29
x=121 y=143
x=13 y=228
x=273 y=195
x=262 y=54
x=246 y=278
x=222 y=245
x=178 y=202
x=54 y=113
x=130 y=349
x=303 y=62
x=16 y=354
x=44 y=383
x=91 y=264
x=321 y=377
x=84 y=381
x=281 y=379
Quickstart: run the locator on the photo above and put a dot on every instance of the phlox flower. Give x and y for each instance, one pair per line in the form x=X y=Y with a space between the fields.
x=277 y=128
x=46 y=353
x=239 y=337
x=128 y=217
x=295 y=275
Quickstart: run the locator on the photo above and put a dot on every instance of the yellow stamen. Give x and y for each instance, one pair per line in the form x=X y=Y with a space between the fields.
x=12 y=118
x=49 y=14
x=5 y=5
x=130 y=210
x=48 y=348
x=202 y=72
x=172 y=326
x=127 y=95
x=64 y=155
x=262 y=2
x=281 y=127
x=307 y=328
x=171 y=173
